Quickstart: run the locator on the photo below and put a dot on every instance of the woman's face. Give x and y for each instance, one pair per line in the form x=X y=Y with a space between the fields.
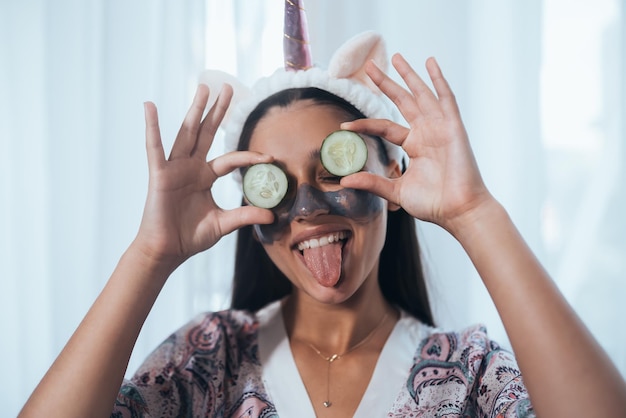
x=325 y=238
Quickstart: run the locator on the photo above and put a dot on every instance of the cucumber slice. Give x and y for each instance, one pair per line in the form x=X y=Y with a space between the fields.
x=264 y=185
x=343 y=152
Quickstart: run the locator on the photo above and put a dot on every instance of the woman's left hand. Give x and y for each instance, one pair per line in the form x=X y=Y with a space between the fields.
x=442 y=183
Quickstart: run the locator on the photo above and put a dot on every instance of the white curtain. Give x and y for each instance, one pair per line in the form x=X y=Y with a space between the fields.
x=540 y=84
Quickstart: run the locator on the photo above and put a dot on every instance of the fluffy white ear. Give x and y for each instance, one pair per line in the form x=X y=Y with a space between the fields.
x=349 y=60
x=215 y=80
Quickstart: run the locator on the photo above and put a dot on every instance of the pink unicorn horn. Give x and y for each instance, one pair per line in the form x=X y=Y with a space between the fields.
x=296 y=40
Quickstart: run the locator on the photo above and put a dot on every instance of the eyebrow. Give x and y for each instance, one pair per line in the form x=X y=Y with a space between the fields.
x=315 y=154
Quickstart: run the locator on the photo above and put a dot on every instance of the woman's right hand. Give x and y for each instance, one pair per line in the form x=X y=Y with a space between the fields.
x=181 y=217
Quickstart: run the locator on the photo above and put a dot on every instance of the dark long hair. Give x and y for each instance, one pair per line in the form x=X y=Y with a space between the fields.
x=257 y=281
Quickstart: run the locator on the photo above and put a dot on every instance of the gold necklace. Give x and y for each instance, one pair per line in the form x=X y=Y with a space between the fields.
x=334 y=357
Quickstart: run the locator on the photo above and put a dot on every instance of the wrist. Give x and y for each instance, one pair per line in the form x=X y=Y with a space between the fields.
x=157 y=266
x=476 y=219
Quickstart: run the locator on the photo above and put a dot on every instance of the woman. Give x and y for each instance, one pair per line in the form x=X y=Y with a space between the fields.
x=332 y=323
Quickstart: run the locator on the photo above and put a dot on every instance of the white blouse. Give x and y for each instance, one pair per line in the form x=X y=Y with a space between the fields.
x=292 y=400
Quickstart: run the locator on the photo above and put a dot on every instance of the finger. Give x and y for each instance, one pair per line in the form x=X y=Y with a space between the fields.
x=154 y=145
x=373 y=183
x=188 y=133
x=233 y=219
x=212 y=121
x=383 y=128
x=444 y=92
x=226 y=163
x=426 y=99
x=396 y=93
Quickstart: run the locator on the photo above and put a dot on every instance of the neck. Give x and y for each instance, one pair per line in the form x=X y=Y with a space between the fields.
x=336 y=328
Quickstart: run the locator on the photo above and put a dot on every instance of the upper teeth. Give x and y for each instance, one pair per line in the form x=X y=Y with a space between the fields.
x=320 y=242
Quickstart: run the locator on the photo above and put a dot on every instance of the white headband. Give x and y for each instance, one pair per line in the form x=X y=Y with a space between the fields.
x=344 y=78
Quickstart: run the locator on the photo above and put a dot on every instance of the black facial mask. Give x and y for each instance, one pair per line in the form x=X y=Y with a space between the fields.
x=358 y=205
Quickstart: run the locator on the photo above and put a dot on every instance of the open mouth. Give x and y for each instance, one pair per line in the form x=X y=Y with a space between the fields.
x=323 y=256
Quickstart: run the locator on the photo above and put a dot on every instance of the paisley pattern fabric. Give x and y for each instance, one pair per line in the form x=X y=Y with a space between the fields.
x=211 y=368
x=463 y=375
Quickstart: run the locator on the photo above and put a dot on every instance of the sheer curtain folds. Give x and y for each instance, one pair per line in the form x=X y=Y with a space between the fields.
x=540 y=84
x=73 y=79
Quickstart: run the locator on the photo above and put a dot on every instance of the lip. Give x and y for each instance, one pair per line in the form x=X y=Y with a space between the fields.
x=318 y=232
x=323 y=240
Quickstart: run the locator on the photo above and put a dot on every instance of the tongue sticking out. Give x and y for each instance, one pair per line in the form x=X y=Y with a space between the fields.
x=324 y=263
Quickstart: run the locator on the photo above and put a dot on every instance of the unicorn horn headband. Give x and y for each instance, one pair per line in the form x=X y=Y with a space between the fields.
x=345 y=77
x=296 y=48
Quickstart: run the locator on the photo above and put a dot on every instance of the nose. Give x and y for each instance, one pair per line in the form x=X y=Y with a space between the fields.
x=309 y=202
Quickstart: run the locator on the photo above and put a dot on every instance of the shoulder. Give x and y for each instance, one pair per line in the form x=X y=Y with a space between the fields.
x=206 y=331
x=470 y=352
x=230 y=320
x=449 y=358
x=467 y=345
x=467 y=371
x=208 y=365
x=226 y=335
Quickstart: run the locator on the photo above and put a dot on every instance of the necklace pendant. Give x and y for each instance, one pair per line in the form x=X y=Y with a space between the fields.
x=333 y=358
x=327 y=404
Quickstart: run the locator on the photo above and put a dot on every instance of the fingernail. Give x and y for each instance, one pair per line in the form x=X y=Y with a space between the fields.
x=264 y=157
x=372 y=62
